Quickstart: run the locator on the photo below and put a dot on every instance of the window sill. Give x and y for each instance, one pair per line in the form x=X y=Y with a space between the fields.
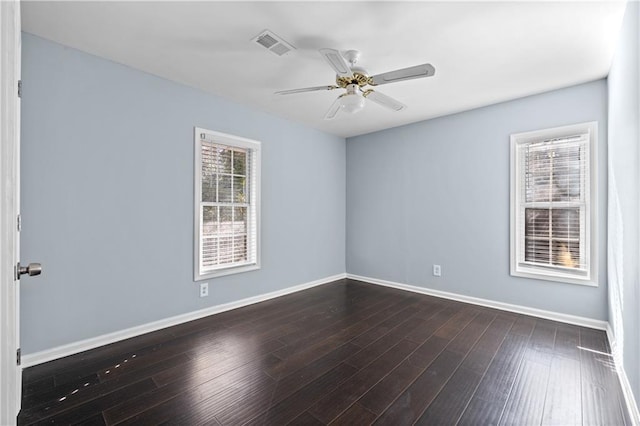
x=538 y=274
x=227 y=271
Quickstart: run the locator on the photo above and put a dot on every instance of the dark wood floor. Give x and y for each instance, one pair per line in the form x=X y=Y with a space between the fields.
x=343 y=353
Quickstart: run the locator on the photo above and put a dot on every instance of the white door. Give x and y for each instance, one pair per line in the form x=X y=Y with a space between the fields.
x=10 y=371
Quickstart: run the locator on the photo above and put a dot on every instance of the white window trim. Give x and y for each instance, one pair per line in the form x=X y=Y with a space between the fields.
x=239 y=142
x=553 y=274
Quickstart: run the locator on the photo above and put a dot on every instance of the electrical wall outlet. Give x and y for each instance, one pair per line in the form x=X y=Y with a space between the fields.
x=437 y=271
x=204 y=289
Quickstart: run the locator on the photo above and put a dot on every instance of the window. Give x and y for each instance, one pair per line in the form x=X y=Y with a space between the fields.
x=227 y=204
x=553 y=200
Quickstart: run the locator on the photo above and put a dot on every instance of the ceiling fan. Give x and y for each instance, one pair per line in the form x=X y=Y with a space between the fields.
x=355 y=81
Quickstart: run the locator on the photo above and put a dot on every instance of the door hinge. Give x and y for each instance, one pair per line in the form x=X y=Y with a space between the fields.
x=20 y=88
x=18 y=356
x=19 y=225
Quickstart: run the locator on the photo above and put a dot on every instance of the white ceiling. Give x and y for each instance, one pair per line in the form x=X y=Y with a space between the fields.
x=483 y=52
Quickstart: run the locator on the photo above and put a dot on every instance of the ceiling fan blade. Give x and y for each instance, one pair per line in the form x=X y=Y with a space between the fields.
x=418 y=71
x=337 y=62
x=306 y=89
x=334 y=109
x=384 y=100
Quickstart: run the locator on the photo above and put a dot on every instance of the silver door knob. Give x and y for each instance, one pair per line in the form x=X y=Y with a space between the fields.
x=31 y=269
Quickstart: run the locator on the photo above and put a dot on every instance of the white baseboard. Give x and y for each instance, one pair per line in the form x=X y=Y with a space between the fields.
x=628 y=395
x=105 y=339
x=554 y=316
x=611 y=337
x=632 y=405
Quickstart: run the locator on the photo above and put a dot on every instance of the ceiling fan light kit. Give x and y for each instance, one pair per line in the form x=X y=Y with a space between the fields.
x=355 y=79
x=352 y=101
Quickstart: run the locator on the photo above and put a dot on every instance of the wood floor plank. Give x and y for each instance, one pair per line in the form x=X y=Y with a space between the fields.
x=82 y=359
x=143 y=356
x=78 y=413
x=380 y=397
x=288 y=385
x=471 y=333
x=299 y=402
x=70 y=376
x=287 y=322
x=432 y=324
x=283 y=320
x=567 y=341
x=327 y=320
x=35 y=387
x=505 y=364
x=326 y=304
x=347 y=352
x=457 y=323
x=203 y=385
x=144 y=370
x=305 y=419
x=453 y=398
x=314 y=369
x=387 y=325
x=542 y=341
x=523 y=326
x=428 y=351
x=526 y=401
x=599 y=384
x=196 y=332
x=310 y=352
x=200 y=404
x=77 y=397
x=215 y=363
x=490 y=398
x=96 y=420
x=360 y=322
x=563 y=404
x=436 y=305
x=44 y=397
x=487 y=346
x=448 y=406
x=356 y=415
x=380 y=346
x=481 y=412
x=413 y=401
x=204 y=410
x=349 y=291
x=332 y=405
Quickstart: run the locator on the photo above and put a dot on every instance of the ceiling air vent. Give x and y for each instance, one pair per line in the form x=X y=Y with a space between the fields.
x=273 y=43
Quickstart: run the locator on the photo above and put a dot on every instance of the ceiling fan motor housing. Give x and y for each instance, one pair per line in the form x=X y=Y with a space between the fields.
x=359 y=77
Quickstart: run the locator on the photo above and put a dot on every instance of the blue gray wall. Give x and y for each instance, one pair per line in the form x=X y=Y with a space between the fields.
x=624 y=192
x=107 y=197
x=437 y=192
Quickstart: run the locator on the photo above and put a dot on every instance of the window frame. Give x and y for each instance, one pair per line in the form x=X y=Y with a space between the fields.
x=518 y=267
x=254 y=201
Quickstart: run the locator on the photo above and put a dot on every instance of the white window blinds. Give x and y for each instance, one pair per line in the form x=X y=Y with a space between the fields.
x=554 y=202
x=227 y=203
x=552 y=206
